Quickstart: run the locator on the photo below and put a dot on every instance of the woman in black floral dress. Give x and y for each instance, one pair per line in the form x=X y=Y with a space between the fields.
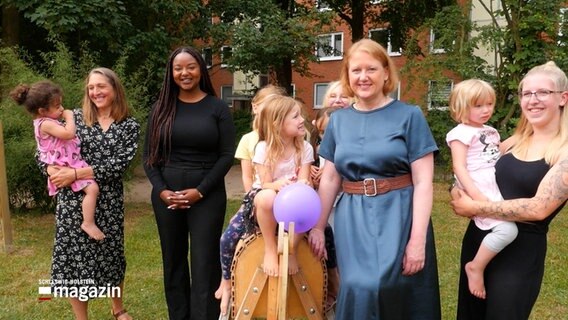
x=109 y=139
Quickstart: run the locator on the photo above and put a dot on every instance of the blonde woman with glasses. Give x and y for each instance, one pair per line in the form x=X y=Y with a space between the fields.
x=531 y=176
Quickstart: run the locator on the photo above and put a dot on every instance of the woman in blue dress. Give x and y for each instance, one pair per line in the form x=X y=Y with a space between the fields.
x=380 y=152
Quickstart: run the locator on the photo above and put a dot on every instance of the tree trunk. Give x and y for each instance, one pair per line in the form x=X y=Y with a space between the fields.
x=10 y=25
x=357 y=20
x=283 y=74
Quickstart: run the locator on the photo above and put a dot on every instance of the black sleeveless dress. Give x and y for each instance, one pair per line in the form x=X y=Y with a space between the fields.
x=513 y=278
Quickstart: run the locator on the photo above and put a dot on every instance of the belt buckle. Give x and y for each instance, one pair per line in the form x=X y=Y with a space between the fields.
x=374 y=184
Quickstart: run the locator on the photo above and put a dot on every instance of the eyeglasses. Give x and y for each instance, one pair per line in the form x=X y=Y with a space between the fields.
x=540 y=95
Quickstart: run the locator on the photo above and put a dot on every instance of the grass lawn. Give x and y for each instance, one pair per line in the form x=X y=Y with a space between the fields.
x=21 y=270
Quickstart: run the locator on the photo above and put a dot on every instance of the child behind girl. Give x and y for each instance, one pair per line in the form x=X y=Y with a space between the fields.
x=57 y=143
x=335 y=97
x=282 y=157
x=475 y=149
x=320 y=123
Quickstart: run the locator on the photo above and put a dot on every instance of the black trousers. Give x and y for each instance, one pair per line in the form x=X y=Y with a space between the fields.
x=190 y=282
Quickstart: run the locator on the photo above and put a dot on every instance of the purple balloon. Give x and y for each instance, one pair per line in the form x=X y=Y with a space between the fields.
x=298 y=203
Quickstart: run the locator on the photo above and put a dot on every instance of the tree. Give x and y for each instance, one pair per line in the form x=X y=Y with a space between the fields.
x=518 y=36
x=272 y=37
x=522 y=34
x=399 y=17
x=144 y=30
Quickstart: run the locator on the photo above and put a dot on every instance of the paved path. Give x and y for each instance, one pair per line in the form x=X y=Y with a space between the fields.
x=139 y=189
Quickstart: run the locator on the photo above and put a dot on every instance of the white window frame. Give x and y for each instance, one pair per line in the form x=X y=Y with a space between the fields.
x=433 y=48
x=319 y=86
x=226 y=99
x=332 y=41
x=207 y=54
x=442 y=93
x=389 y=44
x=221 y=52
x=322 y=5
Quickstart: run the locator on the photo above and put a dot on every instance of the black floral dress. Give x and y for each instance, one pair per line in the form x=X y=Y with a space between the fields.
x=76 y=258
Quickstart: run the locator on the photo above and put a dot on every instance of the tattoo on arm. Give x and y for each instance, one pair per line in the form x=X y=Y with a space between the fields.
x=551 y=193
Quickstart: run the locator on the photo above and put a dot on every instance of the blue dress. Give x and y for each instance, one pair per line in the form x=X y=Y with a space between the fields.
x=371 y=233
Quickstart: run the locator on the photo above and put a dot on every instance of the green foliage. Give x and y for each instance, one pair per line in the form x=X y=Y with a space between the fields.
x=267 y=35
x=440 y=124
x=145 y=31
x=521 y=35
x=26 y=185
x=243 y=122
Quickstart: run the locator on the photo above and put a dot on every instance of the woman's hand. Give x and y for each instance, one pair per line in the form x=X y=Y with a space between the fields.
x=183 y=199
x=462 y=204
x=414 y=257
x=316 y=239
x=315 y=175
x=61 y=176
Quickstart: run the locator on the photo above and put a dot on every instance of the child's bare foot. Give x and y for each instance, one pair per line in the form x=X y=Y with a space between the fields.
x=270 y=265
x=224 y=293
x=475 y=280
x=93 y=231
x=293 y=267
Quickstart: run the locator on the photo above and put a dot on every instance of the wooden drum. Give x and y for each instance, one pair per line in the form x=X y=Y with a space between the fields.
x=247 y=277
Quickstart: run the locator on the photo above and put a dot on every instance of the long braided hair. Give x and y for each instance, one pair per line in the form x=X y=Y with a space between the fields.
x=164 y=110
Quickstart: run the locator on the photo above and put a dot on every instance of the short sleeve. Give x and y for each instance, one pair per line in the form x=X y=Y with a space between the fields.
x=420 y=139
x=461 y=134
x=245 y=149
x=259 y=153
x=327 y=146
x=308 y=154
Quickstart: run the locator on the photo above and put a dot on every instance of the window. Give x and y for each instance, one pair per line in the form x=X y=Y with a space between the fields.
x=330 y=46
x=439 y=94
x=563 y=27
x=382 y=36
x=322 y=5
x=226 y=53
x=396 y=93
x=435 y=44
x=263 y=80
x=319 y=93
x=227 y=95
x=207 y=54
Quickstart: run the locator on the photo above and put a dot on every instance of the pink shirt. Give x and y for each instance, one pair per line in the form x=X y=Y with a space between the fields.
x=285 y=168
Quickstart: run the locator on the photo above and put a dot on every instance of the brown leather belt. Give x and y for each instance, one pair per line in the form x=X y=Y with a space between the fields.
x=372 y=187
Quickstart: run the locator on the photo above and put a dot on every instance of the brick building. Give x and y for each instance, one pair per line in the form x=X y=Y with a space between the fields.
x=236 y=90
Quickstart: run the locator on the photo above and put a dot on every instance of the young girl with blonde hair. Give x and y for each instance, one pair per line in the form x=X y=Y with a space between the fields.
x=281 y=157
x=475 y=150
x=245 y=149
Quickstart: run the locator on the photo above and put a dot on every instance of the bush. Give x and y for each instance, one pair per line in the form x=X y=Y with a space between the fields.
x=441 y=123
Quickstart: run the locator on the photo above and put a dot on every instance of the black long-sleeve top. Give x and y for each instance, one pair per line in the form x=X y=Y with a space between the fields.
x=203 y=136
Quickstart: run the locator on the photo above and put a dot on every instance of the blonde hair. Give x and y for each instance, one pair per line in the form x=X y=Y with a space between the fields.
x=270 y=120
x=524 y=130
x=119 y=109
x=331 y=87
x=376 y=51
x=467 y=94
x=262 y=95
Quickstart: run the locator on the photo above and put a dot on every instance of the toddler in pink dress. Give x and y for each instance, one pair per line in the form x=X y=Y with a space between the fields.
x=58 y=145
